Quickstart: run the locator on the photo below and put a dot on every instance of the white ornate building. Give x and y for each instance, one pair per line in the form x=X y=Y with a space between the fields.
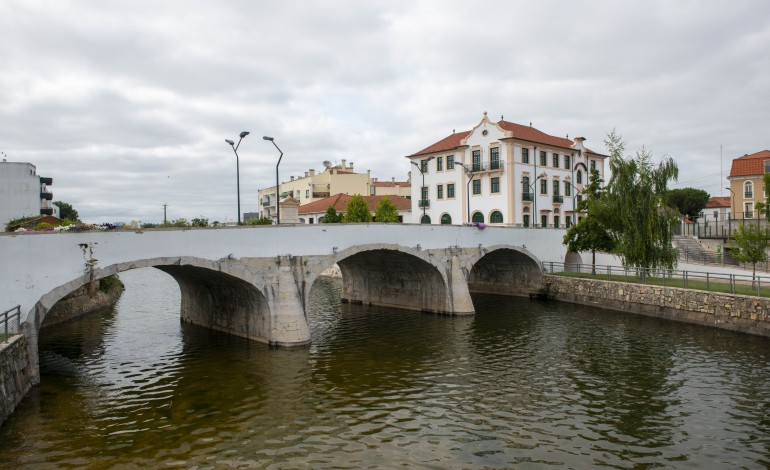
x=502 y=173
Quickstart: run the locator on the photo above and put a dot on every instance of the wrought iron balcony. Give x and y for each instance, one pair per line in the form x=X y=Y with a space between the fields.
x=558 y=199
x=486 y=166
x=267 y=204
x=46 y=196
x=321 y=194
x=527 y=196
x=46 y=211
x=46 y=180
x=423 y=203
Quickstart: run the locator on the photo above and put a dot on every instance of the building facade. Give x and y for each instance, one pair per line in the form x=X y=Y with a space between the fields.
x=339 y=179
x=23 y=193
x=746 y=184
x=391 y=188
x=502 y=173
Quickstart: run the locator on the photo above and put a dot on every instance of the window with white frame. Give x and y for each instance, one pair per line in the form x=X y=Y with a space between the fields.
x=748 y=189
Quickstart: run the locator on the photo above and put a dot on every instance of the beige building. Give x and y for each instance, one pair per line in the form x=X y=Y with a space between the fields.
x=313 y=212
x=391 y=188
x=746 y=185
x=335 y=179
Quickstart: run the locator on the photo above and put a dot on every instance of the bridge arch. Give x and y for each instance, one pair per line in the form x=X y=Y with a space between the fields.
x=213 y=294
x=505 y=270
x=391 y=276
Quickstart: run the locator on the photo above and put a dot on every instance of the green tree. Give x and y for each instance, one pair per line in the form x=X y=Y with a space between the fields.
x=634 y=207
x=357 y=210
x=66 y=211
x=331 y=216
x=749 y=245
x=386 y=211
x=199 y=222
x=590 y=234
x=688 y=201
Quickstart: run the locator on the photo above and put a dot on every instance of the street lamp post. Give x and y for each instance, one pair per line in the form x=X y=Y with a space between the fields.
x=237 y=170
x=422 y=189
x=468 y=172
x=277 y=194
x=732 y=212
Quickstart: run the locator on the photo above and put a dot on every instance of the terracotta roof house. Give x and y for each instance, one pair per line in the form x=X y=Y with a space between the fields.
x=746 y=185
x=312 y=212
x=502 y=173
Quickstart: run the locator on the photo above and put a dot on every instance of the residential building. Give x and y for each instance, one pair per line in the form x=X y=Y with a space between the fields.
x=717 y=209
x=335 y=179
x=503 y=173
x=312 y=213
x=746 y=185
x=393 y=187
x=23 y=193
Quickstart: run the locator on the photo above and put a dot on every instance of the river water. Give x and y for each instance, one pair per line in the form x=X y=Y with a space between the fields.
x=521 y=384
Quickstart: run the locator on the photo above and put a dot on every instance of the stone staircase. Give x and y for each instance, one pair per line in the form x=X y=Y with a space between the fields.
x=691 y=251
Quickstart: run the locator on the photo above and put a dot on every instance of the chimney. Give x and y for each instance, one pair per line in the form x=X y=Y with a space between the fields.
x=351 y=166
x=578 y=143
x=343 y=164
x=306 y=174
x=312 y=172
x=393 y=179
x=374 y=180
x=291 y=178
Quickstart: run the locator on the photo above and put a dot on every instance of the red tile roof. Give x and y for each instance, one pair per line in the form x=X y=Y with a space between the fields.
x=718 y=201
x=519 y=131
x=340 y=203
x=750 y=165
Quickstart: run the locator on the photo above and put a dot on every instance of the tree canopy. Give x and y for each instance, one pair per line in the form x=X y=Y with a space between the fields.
x=590 y=233
x=688 y=201
x=331 y=216
x=357 y=210
x=66 y=211
x=749 y=244
x=386 y=211
x=634 y=209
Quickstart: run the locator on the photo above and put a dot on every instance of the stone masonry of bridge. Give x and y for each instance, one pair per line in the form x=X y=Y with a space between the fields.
x=254 y=281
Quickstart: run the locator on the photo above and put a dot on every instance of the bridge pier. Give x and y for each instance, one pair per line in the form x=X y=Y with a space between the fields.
x=288 y=322
x=458 y=293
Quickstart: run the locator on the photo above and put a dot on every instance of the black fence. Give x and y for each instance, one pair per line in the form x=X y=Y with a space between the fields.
x=742 y=284
x=711 y=227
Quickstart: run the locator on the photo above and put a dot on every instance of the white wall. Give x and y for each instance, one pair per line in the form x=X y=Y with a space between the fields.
x=19 y=191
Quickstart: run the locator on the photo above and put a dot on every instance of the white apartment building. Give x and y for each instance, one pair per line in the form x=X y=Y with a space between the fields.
x=335 y=179
x=23 y=193
x=502 y=173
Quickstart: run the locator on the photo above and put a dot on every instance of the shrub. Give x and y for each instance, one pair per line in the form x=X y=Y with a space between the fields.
x=110 y=283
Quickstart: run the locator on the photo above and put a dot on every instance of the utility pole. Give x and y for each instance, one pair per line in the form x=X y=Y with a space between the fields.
x=165 y=204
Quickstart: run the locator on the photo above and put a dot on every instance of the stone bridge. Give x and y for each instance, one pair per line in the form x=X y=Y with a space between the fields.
x=254 y=281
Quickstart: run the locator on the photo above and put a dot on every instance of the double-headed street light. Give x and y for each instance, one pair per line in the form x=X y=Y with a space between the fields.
x=470 y=173
x=238 y=170
x=423 y=196
x=277 y=195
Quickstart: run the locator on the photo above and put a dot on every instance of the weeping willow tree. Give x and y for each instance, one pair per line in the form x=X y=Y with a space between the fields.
x=634 y=207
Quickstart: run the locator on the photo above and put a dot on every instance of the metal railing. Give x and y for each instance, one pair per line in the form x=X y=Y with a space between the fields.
x=742 y=284
x=7 y=326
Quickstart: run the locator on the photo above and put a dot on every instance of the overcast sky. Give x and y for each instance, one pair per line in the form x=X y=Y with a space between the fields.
x=126 y=104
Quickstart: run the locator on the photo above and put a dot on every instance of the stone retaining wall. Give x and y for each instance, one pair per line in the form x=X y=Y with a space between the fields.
x=86 y=299
x=731 y=312
x=15 y=370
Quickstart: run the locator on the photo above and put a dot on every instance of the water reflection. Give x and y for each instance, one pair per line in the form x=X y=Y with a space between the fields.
x=520 y=384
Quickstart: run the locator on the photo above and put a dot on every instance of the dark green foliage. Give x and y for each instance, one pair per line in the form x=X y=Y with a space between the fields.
x=66 y=211
x=634 y=210
x=749 y=244
x=331 y=216
x=357 y=211
x=688 y=201
x=590 y=234
x=110 y=283
x=199 y=222
x=386 y=211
